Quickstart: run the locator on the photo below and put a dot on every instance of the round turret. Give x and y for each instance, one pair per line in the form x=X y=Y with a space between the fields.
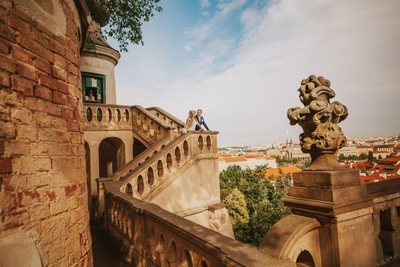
x=97 y=67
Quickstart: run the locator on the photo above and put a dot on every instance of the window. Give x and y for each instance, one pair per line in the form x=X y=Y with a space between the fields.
x=94 y=87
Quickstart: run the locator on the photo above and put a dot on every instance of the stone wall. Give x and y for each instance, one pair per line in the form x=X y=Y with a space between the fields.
x=42 y=162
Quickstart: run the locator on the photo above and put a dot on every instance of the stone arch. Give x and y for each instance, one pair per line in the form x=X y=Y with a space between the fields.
x=187 y=259
x=292 y=235
x=172 y=254
x=160 y=249
x=19 y=251
x=129 y=189
x=177 y=155
x=111 y=156
x=203 y=263
x=386 y=233
x=305 y=259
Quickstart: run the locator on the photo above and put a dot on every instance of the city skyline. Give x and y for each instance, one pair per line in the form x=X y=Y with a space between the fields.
x=242 y=62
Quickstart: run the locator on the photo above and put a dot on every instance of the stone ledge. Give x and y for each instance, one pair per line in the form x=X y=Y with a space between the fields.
x=326 y=179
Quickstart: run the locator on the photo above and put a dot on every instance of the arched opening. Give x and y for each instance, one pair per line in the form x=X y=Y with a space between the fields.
x=150 y=176
x=172 y=255
x=208 y=142
x=118 y=115
x=386 y=234
x=187 y=259
x=177 y=155
x=305 y=259
x=111 y=156
x=99 y=114
x=200 y=142
x=169 y=161
x=140 y=185
x=185 y=148
x=126 y=115
x=128 y=189
x=160 y=168
x=138 y=147
x=109 y=114
x=160 y=250
x=203 y=264
x=89 y=114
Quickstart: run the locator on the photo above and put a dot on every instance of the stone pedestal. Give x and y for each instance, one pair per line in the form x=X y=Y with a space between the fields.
x=338 y=201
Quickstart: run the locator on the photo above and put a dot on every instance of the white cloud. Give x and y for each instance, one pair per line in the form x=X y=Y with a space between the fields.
x=246 y=87
x=355 y=44
x=226 y=7
x=188 y=48
x=204 y=3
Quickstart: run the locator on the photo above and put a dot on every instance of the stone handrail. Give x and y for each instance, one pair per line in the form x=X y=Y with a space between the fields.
x=130 y=166
x=149 y=127
x=156 y=173
x=151 y=236
x=107 y=117
x=166 y=116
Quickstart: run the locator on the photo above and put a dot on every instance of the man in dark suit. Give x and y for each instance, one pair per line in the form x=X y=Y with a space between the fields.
x=200 y=120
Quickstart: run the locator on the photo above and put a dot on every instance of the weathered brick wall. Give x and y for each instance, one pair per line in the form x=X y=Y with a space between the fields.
x=42 y=162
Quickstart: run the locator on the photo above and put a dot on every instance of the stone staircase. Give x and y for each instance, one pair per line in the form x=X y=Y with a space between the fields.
x=178 y=172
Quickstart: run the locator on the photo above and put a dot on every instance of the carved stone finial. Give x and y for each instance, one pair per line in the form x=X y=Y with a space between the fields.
x=322 y=136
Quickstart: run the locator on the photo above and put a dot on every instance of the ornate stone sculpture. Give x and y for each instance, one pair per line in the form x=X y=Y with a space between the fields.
x=322 y=136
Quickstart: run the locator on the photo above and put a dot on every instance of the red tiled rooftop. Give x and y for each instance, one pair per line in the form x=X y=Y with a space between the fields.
x=234 y=159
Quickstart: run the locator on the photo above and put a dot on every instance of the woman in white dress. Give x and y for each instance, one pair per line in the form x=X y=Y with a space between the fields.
x=191 y=123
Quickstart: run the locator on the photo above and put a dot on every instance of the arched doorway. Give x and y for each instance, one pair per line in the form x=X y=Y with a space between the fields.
x=138 y=147
x=305 y=259
x=111 y=156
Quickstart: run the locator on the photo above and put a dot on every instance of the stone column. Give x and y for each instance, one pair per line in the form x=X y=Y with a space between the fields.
x=326 y=191
x=338 y=201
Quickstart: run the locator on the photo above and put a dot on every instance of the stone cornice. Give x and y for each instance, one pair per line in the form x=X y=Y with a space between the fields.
x=104 y=52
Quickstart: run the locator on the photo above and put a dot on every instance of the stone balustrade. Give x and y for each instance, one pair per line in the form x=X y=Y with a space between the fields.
x=151 y=236
x=99 y=117
x=167 y=117
x=149 y=127
x=105 y=117
x=129 y=167
x=156 y=172
x=386 y=216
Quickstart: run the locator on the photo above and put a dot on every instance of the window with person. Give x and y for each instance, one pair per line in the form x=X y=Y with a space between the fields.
x=93 y=86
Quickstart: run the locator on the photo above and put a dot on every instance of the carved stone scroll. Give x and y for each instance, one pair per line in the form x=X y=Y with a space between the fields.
x=319 y=118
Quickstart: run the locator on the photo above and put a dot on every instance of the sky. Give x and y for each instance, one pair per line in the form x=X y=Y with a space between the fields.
x=242 y=62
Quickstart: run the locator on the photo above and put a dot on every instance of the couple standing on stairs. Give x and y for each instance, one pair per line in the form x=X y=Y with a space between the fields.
x=195 y=121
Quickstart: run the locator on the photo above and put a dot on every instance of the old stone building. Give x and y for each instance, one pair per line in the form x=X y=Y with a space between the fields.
x=68 y=153
x=44 y=214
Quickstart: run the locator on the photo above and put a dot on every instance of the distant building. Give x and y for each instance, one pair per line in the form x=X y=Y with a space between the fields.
x=348 y=151
x=296 y=153
x=273 y=152
x=381 y=170
x=363 y=150
x=246 y=161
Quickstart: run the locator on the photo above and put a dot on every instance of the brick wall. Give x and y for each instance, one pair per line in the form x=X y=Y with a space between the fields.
x=42 y=162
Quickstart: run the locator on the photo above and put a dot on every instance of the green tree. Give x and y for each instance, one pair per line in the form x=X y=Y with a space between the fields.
x=363 y=156
x=123 y=18
x=237 y=207
x=263 y=201
x=370 y=156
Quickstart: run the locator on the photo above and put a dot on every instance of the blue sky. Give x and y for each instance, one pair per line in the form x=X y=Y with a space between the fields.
x=242 y=61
